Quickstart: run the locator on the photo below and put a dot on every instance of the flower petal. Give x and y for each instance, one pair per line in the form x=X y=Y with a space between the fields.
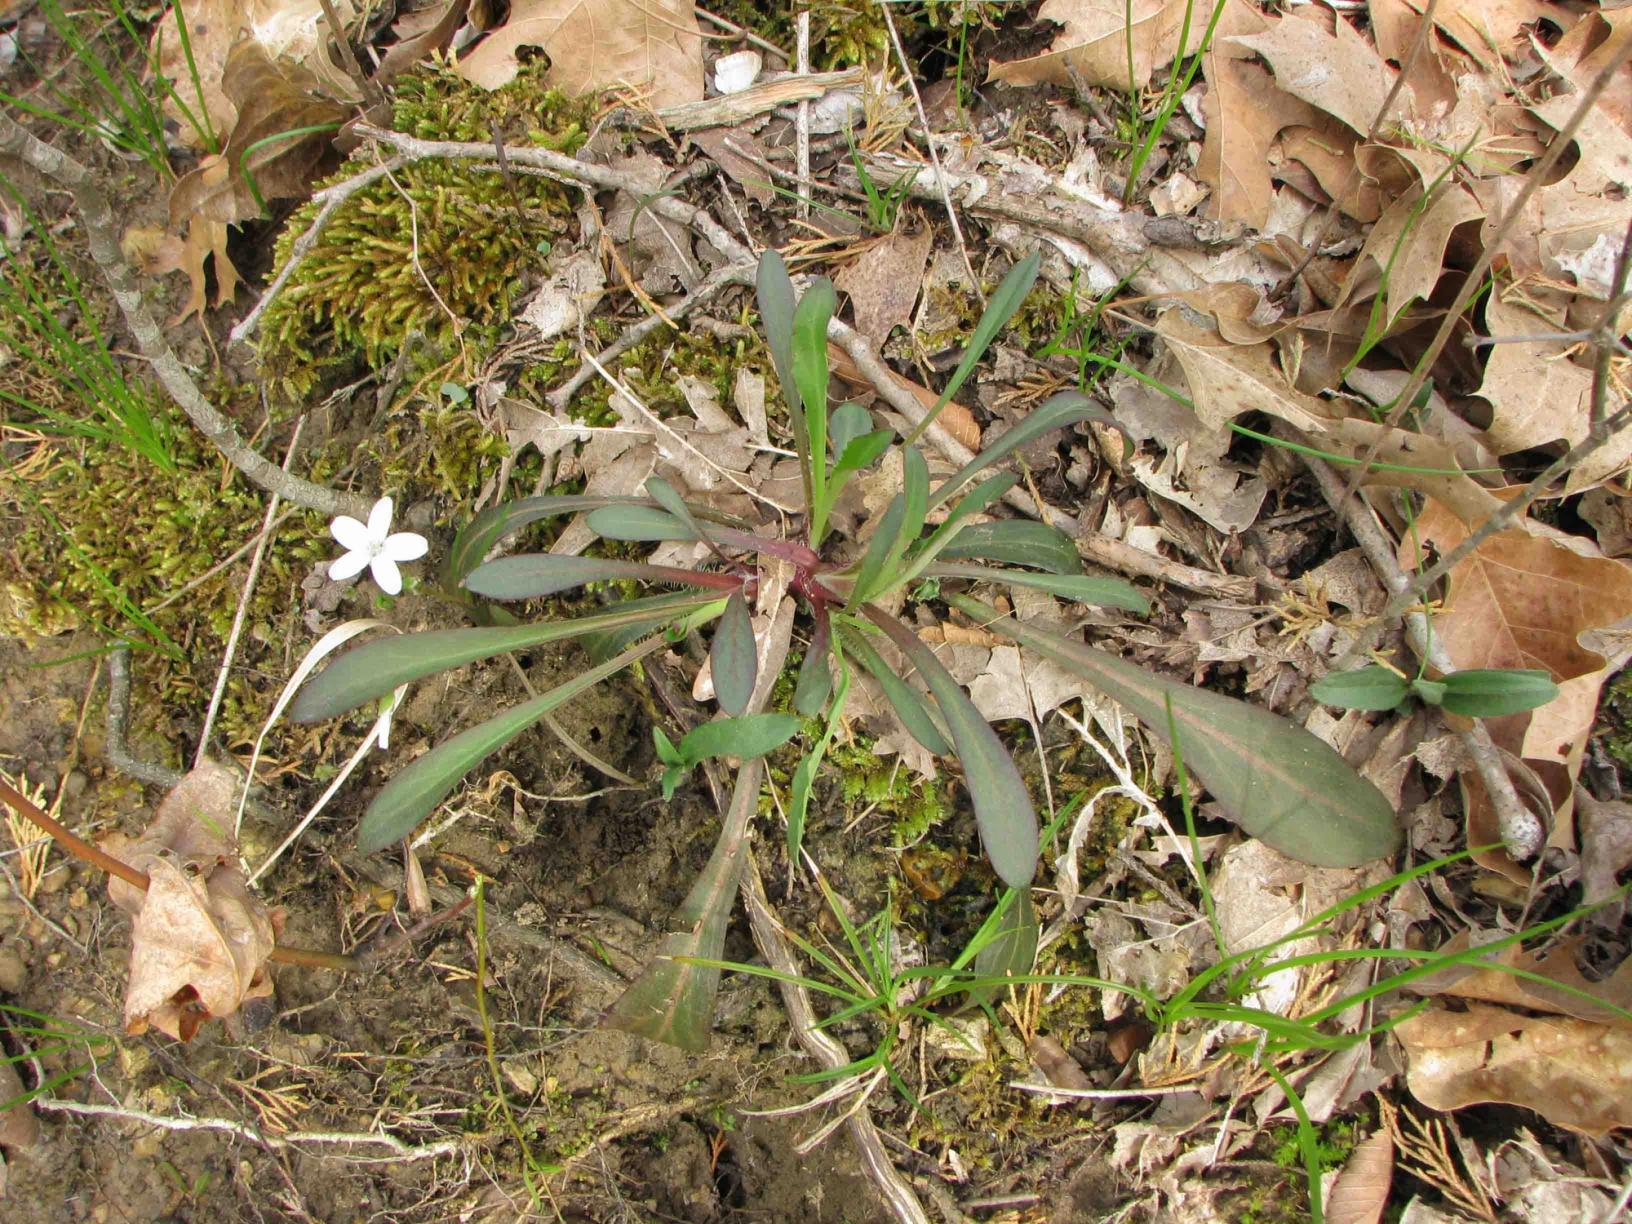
x=350 y=565
x=404 y=546
x=387 y=575
x=379 y=520
x=351 y=534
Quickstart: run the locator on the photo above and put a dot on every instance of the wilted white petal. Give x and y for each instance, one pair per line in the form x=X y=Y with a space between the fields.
x=404 y=546
x=379 y=519
x=352 y=535
x=735 y=73
x=386 y=575
x=349 y=565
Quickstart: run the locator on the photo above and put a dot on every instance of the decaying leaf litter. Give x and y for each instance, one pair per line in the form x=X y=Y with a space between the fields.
x=1340 y=322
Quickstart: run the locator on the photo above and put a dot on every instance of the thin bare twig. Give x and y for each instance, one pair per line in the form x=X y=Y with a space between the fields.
x=707 y=289
x=1520 y=827
x=244 y=598
x=399 y=1149
x=101 y=235
x=99 y=858
x=820 y=1044
x=934 y=157
x=801 y=122
x=1411 y=594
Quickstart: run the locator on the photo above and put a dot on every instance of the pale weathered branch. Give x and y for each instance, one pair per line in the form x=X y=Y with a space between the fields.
x=101 y=234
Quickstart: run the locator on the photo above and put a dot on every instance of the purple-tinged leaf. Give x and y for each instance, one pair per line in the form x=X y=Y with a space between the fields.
x=1016 y=542
x=911 y=706
x=643 y=523
x=733 y=657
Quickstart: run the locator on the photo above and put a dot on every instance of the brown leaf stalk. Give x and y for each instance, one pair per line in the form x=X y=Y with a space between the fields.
x=97 y=857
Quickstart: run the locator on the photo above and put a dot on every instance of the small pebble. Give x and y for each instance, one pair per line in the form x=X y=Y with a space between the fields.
x=735 y=73
x=13 y=971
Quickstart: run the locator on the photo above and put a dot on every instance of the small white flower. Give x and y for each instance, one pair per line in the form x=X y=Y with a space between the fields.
x=370 y=545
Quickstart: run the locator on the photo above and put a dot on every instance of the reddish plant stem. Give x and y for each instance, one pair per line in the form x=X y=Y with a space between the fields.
x=97 y=857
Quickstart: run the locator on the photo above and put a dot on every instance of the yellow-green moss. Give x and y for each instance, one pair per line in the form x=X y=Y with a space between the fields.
x=360 y=294
x=102 y=517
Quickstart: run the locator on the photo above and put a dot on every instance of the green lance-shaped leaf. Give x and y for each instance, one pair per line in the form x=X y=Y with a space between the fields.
x=747 y=737
x=644 y=523
x=673 y=999
x=1491 y=692
x=999 y=310
x=375 y=668
x=1016 y=542
x=776 y=309
x=850 y=421
x=911 y=707
x=900 y=526
x=1282 y=784
x=972 y=502
x=531 y=575
x=1367 y=688
x=1008 y=823
x=1107 y=592
x=474 y=540
x=413 y=793
x=733 y=658
x=1012 y=950
x=1066 y=408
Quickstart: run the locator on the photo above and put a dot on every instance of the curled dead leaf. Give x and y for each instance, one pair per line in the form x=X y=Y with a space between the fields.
x=200 y=939
x=1574 y=1073
x=651 y=46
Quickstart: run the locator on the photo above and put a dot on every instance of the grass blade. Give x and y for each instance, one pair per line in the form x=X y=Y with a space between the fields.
x=1012 y=949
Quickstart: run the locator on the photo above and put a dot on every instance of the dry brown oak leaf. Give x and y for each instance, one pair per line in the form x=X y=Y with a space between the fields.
x=651 y=46
x=200 y=939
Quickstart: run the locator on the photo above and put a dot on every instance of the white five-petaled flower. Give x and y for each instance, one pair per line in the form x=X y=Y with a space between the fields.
x=370 y=545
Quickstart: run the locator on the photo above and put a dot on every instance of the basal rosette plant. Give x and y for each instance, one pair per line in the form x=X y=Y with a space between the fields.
x=1278 y=781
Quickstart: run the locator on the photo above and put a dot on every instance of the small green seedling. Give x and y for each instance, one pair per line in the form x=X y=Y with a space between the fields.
x=750 y=736
x=1475 y=693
